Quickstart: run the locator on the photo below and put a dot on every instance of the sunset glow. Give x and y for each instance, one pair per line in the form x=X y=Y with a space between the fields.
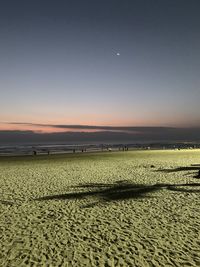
x=99 y=64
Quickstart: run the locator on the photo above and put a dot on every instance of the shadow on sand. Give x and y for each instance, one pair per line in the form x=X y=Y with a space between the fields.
x=193 y=167
x=120 y=190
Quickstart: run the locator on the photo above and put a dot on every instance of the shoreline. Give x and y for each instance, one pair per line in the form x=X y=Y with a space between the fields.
x=52 y=149
x=79 y=154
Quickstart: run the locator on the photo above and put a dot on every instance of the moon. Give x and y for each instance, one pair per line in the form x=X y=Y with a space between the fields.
x=118 y=54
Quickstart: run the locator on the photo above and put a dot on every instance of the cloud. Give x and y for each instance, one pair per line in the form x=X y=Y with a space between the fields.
x=106 y=135
x=96 y=127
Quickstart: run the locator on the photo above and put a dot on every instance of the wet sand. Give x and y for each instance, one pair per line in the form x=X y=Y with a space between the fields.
x=136 y=208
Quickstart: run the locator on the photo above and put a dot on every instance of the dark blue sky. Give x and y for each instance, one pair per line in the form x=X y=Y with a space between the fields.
x=59 y=62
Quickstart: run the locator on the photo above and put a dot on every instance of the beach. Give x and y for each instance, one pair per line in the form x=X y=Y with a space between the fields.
x=126 y=208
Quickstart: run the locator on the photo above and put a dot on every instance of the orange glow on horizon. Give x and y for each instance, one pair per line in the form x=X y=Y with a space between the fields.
x=99 y=121
x=41 y=129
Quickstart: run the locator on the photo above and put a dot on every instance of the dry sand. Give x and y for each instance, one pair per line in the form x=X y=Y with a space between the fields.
x=105 y=209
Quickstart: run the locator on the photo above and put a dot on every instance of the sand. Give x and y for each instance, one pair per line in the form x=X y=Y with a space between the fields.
x=131 y=208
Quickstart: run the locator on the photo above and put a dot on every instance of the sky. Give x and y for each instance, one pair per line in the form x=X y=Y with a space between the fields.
x=99 y=63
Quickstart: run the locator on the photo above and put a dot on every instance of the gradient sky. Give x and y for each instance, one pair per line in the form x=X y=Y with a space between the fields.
x=59 y=62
